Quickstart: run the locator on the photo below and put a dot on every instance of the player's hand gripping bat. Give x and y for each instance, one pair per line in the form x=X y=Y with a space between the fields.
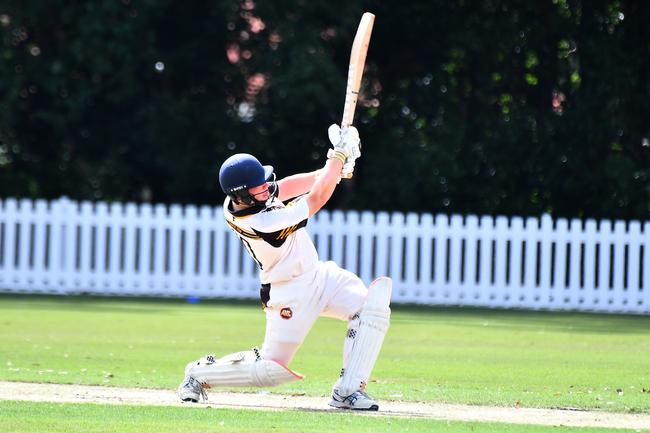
x=355 y=73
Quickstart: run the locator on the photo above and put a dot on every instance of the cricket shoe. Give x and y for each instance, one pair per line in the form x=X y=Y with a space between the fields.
x=191 y=390
x=358 y=400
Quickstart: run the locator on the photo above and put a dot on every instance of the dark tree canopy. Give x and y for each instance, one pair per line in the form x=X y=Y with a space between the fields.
x=486 y=107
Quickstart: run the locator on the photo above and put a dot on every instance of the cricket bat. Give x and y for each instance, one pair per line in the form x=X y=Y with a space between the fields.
x=355 y=70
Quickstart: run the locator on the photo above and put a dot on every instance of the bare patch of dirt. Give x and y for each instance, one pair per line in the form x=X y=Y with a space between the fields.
x=266 y=401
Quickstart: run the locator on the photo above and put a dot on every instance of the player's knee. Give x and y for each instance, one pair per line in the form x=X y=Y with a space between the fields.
x=281 y=352
x=376 y=311
x=379 y=294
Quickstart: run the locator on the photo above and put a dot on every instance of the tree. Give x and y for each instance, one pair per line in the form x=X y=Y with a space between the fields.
x=511 y=107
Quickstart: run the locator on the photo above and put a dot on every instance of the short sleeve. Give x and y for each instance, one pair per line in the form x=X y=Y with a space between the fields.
x=278 y=218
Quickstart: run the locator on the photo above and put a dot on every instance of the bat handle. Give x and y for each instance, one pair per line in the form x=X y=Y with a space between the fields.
x=345 y=124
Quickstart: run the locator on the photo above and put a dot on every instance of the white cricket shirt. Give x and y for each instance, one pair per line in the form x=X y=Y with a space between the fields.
x=275 y=237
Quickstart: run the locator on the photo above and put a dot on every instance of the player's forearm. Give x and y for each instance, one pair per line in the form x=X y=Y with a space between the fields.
x=329 y=177
x=324 y=185
x=297 y=184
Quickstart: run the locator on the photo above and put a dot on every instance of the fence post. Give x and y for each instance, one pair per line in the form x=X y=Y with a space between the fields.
x=396 y=254
x=220 y=246
x=426 y=283
x=412 y=292
x=500 y=262
x=205 y=226
x=441 y=237
x=190 y=261
x=618 y=291
x=100 y=274
x=69 y=245
x=131 y=224
x=573 y=292
x=469 y=282
x=87 y=220
x=159 y=238
x=456 y=234
x=353 y=221
x=604 y=265
x=8 y=275
x=25 y=219
x=383 y=234
x=530 y=290
x=115 y=248
x=142 y=281
x=367 y=252
x=337 y=233
x=634 y=257
x=174 y=277
x=590 y=270
x=546 y=262
x=486 y=282
x=644 y=303
x=4 y=267
x=517 y=291
x=54 y=248
x=39 y=272
x=561 y=269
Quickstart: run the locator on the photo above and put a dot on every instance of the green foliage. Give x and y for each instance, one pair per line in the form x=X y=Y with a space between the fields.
x=472 y=107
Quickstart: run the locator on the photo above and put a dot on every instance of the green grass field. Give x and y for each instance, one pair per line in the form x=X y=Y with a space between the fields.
x=488 y=357
x=83 y=418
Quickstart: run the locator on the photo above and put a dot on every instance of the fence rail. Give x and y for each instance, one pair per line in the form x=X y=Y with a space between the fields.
x=126 y=249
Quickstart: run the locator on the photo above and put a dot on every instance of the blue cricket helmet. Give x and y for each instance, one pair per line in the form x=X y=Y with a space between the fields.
x=241 y=172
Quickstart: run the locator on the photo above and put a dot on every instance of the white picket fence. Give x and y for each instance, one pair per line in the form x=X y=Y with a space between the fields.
x=67 y=247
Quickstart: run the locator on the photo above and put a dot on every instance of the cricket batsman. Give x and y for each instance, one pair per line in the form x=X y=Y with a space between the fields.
x=270 y=218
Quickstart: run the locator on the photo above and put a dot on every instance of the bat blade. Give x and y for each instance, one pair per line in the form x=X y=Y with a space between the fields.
x=357 y=64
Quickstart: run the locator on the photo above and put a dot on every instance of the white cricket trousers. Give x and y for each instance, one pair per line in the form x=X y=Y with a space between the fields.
x=295 y=305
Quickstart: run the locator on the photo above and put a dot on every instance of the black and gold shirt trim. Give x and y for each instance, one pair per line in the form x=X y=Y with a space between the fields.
x=278 y=238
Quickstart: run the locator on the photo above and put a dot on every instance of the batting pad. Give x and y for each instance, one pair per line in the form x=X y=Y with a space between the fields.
x=374 y=321
x=240 y=369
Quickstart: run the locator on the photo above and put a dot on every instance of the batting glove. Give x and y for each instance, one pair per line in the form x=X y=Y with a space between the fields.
x=348 y=169
x=346 y=142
